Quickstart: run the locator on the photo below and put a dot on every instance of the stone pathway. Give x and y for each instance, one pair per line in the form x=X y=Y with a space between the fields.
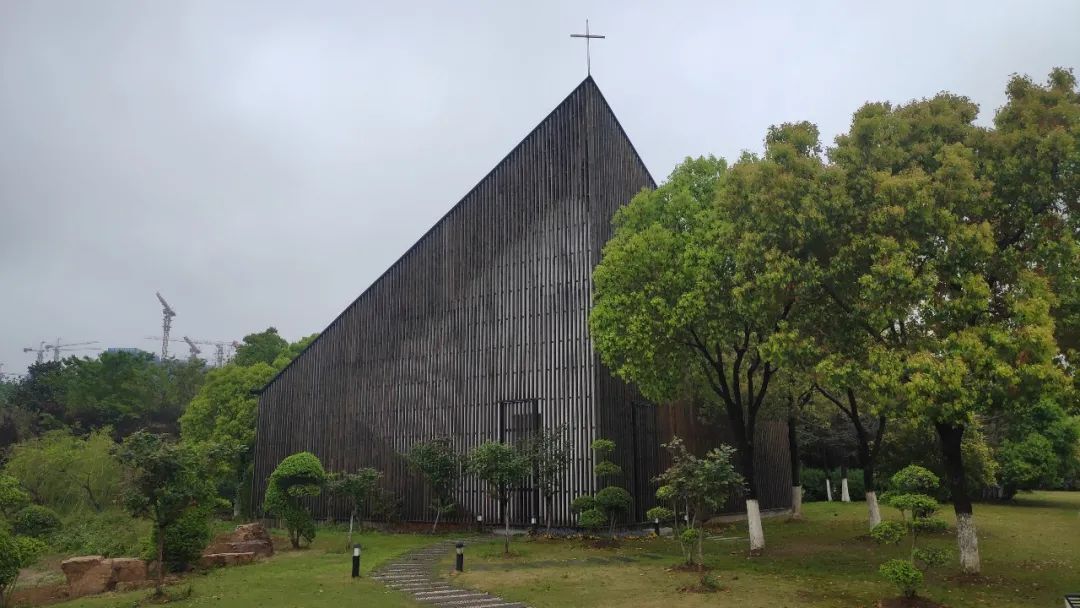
x=414 y=573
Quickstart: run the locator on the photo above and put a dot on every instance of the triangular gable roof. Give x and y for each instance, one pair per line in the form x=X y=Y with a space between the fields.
x=586 y=87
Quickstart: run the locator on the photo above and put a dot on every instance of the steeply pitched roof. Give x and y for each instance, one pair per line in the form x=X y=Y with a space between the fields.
x=586 y=88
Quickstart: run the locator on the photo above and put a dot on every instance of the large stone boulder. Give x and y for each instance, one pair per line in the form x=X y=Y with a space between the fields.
x=128 y=569
x=246 y=538
x=219 y=560
x=92 y=574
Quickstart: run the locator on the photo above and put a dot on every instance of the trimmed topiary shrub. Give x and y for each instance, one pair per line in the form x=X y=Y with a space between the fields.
x=35 y=521
x=296 y=478
x=903 y=574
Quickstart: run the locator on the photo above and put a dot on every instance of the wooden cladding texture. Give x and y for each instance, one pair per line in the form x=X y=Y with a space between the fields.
x=479 y=331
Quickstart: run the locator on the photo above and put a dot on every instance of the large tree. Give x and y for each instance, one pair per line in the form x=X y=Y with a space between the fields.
x=943 y=269
x=704 y=283
x=224 y=412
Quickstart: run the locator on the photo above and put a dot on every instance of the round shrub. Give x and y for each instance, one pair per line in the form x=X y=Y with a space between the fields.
x=614 y=499
x=35 y=521
x=914 y=479
x=583 y=503
x=184 y=540
x=888 y=532
x=929 y=525
x=592 y=519
x=931 y=557
x=660 y=514
x=903 y=574
x=919 y=505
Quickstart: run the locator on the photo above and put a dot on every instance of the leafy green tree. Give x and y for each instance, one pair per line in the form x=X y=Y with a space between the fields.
x=297 y=477
x=12 y=497
x=699 y=486
x=1028 y=464
x=549 y=453
x=223 y=412
x=262 y=347
x=943 y=268
x=34 y=404
x=500 y=467
x=16 y=553
x=441 y=466
x=66 y=472
x=165 y=482
x=704 y=281
x=358 y=489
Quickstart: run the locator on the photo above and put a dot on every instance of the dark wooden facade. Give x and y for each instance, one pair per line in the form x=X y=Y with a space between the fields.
x=479 y=332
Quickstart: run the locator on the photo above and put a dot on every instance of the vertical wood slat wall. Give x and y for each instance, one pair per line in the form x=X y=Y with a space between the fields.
x=489 y=306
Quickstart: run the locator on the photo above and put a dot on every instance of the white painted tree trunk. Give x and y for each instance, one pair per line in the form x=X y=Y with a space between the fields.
x=872 y=507
x=828 y=489
x=845 y=496
x=753 y=524
x=968 y=542
x=796 y=502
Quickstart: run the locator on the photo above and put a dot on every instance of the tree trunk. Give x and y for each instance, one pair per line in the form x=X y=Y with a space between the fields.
x=845 y=496
x=796 y=469
x=159 y=588
x=753 y=513
x=871 y=494
x=438 y=512
x=700 y=549
x=352 y=516
x=753 y=524
x=966 y=539
x=828 y=488
x=506 y=529
x=549 y=500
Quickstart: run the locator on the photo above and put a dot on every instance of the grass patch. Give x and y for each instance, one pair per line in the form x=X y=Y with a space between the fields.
x=1029 y=558
x=315 y=577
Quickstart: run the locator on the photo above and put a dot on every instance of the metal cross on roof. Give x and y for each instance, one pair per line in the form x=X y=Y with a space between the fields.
x=588 y=39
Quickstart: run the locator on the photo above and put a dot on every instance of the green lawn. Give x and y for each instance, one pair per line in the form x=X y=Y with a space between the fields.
x=312 y=578
x=1030 y=552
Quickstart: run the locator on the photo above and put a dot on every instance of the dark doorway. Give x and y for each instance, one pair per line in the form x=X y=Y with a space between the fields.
x=518 y=421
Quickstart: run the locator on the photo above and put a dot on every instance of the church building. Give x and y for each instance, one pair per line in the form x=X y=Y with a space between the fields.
x=480 y=332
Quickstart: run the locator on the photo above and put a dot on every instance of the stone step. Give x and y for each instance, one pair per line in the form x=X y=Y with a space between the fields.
x=461 y=598
x=484 y=602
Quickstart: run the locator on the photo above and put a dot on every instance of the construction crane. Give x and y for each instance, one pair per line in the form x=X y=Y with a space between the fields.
x=219 y=349
x=56 y=348
x=193 y=348
x=167 y=313
x=40 y=350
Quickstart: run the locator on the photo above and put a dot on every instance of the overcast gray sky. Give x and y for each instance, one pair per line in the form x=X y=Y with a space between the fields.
x=260 y=163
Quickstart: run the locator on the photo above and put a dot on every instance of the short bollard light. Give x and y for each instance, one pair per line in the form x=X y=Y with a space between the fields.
x=532 y=525
x=656 y=525
x=355 y=561
x=459 y=563
x=479 y=522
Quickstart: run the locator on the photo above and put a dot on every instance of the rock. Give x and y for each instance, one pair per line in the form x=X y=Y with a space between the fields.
x=258 y=547
x=246 y=538
x=128 y=569
x=92 y=574
x=219 y=560
x=87 y=575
